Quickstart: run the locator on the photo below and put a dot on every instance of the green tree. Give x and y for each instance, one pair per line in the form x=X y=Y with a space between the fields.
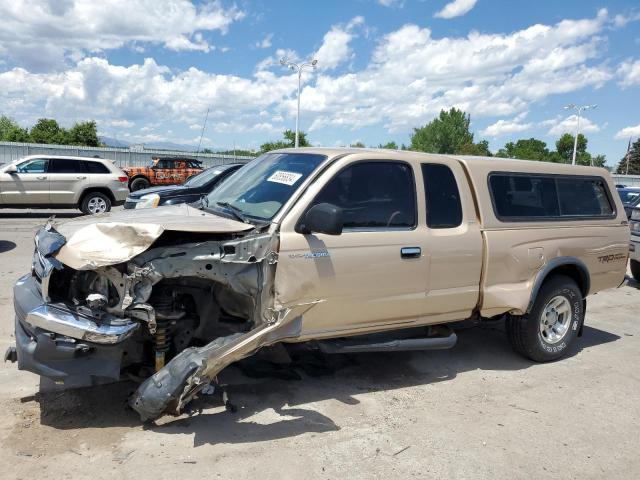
x=525 y=149
x=634 y=160
x=444 y=134
x=389 y=146
x=357 y=145
x=10 y=131
x=84 y=133
x=288 y=142
x=47 y=130
x=481 y=149
x=564 y=147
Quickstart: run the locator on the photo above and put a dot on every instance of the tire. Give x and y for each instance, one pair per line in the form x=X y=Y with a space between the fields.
x=635 y=269
x=139 y=183
x=94 y=203
x=532 y=338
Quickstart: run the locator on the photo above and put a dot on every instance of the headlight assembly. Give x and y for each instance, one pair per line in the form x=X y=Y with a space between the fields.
x=149 y=200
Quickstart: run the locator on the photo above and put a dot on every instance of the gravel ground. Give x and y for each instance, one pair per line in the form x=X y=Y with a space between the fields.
x=476 y=411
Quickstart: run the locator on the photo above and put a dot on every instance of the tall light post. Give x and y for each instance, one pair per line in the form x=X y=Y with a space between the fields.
x=299 y=68
x=579 y=109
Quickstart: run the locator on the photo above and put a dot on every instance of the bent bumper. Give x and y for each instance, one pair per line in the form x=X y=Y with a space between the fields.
x=60 y=344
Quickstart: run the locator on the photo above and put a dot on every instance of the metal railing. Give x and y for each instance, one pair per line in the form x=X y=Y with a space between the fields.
x=123 y=157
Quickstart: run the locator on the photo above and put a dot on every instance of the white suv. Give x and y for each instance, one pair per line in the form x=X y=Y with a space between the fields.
x=46 y=181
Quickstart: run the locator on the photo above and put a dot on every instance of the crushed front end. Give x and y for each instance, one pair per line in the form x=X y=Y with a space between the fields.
x=180 y=311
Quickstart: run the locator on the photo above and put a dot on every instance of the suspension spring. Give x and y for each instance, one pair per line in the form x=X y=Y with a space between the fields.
x=162 y=341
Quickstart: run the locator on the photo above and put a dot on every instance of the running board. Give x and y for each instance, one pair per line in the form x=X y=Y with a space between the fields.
x=375 y=343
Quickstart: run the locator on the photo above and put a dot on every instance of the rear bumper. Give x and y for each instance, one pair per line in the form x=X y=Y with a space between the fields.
x=55 y=342
x=120 y=194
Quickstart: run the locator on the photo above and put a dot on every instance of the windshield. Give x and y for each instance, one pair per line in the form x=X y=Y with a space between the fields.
x=204 y=177
x=629 y=197
x=260 y=188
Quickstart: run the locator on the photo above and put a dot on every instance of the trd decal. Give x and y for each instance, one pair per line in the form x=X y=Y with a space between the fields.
x=617 y=257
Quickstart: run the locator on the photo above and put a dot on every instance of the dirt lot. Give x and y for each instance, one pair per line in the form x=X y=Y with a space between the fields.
x=477 y=411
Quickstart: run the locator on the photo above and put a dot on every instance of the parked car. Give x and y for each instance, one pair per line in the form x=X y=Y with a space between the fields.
x=163 y=171
x=630 y=198
x=337 y=250
x=190 y=191
x=634 y=246
x=91 y=184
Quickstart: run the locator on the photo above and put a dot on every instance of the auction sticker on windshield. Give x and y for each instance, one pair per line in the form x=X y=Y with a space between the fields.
x=287 y=178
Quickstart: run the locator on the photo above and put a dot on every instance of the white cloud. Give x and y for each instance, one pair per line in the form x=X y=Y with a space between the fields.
x=335 y=47
x=628 y=132
x=456 y=8
x=40 y=34
x=265 y=42
x=391 y=3
x=629 y=72
x=410 y=76
x=506 y=127
x=568 y=125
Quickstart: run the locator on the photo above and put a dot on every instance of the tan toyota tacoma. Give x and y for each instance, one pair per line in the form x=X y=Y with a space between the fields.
x=346 y=250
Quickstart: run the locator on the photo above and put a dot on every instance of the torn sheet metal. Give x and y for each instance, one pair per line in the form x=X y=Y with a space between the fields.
x=108 y=239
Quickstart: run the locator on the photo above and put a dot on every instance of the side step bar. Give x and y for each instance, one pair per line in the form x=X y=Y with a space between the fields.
x=377 y=343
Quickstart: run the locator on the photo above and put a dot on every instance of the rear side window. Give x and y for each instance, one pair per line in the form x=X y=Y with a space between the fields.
x=444 y=209
x=523 y=197
x=96 y=167
x=373 y=195
x=64 y=165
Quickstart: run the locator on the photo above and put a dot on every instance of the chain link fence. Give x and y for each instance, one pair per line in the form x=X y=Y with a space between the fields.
x=123 y=157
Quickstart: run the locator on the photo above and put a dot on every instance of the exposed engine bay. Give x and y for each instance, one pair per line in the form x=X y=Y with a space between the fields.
x=185 y=308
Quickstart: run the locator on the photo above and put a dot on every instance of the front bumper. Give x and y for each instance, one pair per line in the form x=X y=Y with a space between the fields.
x=58 y=343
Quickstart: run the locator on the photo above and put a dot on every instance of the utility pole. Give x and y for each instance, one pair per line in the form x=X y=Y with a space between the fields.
x=578 y=109
x=202 y=133
x=298 y=68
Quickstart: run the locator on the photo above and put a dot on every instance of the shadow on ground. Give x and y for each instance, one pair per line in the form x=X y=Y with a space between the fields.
x=6 y=246
x=38 y=214
x=483 y=348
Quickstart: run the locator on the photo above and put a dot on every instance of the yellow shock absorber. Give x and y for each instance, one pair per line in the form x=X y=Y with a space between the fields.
x=161 y=344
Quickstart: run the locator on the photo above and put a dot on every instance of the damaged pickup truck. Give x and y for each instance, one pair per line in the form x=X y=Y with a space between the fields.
x=347 y=250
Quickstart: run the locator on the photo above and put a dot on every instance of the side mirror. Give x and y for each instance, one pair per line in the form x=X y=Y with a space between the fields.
x=322 y=218
x=11 y=169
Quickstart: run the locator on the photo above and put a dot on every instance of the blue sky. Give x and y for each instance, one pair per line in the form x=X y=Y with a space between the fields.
x=147 y=71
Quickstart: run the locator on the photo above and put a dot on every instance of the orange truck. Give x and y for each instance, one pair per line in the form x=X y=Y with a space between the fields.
x=163 y=171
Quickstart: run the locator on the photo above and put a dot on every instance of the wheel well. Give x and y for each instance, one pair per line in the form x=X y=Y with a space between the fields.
x=568 y=266
x=102 y=190
x=137 y=177
x=575 y=273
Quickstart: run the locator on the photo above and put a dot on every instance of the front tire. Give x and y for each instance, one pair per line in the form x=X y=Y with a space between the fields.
x=94 y=203
x=635 y=269
x=547 y=331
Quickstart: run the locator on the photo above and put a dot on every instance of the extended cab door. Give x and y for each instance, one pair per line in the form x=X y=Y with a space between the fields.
x=29 y=184
x=67 y=179
x=373 y=275
x=454 y=245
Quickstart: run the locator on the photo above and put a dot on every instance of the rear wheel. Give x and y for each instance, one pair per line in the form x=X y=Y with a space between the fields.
x=635 y=269
x=139 y=184
x=545 y=333
x=95 y=202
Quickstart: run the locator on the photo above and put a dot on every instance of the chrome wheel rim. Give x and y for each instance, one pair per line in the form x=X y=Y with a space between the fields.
x=96 y=205
x=555 y=319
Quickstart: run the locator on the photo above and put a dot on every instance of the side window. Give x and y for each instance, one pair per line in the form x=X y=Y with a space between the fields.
x=373 y=195
x=583 y=197
x=37 y=165
x=444 y=209
x=95 y=167
x=64 y=165
x=522 y=197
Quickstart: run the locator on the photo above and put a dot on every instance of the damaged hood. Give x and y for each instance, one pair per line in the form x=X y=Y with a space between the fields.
x=111 y=238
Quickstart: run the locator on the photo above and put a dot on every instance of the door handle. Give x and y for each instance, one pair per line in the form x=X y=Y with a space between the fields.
x=410 y=252
x=41 y=178
x=81 y=177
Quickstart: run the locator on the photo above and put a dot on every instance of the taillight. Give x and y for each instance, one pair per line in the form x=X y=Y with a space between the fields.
x=123 y=179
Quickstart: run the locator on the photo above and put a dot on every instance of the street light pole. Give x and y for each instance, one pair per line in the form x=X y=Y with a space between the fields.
x=578 y=109
x=299 y=69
